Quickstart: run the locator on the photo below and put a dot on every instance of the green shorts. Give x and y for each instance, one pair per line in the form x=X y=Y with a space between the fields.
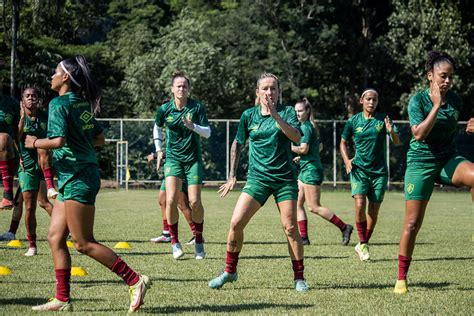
x=30 y=178
x=311 y=174
x=363 y=183
x=184 y=186
x=82 y=187
x=420 y=177
x=261 y=191
x=191 y=172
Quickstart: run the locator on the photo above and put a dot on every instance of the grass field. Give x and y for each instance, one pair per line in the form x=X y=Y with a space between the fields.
x=441 y=275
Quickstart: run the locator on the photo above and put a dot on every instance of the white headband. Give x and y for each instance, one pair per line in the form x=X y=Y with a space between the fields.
x=369 y=90
x=69 y=74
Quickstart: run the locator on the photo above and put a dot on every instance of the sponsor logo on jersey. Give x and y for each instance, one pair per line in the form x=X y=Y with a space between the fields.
x=86 y=116
x=253 y=128
x=359 y=129
x=170 y=119
x=354 y=186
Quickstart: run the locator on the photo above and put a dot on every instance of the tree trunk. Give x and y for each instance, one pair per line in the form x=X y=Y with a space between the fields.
x=15 y=27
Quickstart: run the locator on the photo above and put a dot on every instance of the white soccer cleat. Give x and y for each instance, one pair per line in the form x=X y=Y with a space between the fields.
x=177 y=250
x=363 y=251
x=32 y=251
x=161 y=239
x=52 y=193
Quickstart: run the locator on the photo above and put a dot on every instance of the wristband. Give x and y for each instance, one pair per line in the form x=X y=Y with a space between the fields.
x=34 y=142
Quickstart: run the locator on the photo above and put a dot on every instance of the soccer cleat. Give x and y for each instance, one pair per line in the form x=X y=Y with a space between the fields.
x=199 y=251
x=306 y=241
x=161 y=239
x=52 y=193
x=222 y=279
x=363 y=251
x=400 y=287
x=346 y=235
x=7 y=236
x=177 y=250
x=301 y=286
x=32 y=251
x=6 y=204
x=54 y=305
x=192 y=241
x=137 y=293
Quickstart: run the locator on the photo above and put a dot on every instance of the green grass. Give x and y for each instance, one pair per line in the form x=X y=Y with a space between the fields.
x=441 y=275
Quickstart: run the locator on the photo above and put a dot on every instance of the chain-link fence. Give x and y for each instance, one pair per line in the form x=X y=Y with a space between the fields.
x=123 y=158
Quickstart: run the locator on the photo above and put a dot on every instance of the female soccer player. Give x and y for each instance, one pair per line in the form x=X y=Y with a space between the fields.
x=186 y=121
x=271 y=127
x=9 y=118
x=183 y=205
x=368 y=168
x=311 y=175
x=72 y=133
x=34 y=122
x=433 y=115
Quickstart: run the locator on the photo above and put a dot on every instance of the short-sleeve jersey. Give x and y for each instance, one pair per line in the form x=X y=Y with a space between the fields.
x=182 y=144
x=310 y=136
x=70 y=117
x=9 y=114
x=38 y=128
x=369 y=140
x=270 y=155
x=440 y=143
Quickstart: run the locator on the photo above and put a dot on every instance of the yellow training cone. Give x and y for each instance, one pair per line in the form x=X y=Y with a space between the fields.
x=5 y=271
x=122 y=245
x=69 y=244
x=78 y=271
x=15 y=243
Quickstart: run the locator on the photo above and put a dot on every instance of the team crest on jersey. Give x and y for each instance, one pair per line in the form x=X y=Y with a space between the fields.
x=410 y=187
x=358 y=129
x=9 y=118
x=169 y=119
x=456 y=115
x=354 y=186
x=379 y=126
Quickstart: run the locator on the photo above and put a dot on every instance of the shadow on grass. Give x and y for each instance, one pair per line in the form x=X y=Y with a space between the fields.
x=222 y=308
x=431 y=285
x=426 y=259
x=287 y=257
x=32 y=301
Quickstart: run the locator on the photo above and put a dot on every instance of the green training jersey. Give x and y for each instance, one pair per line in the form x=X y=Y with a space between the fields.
x=440 y=143
x=9 y=114
x=270 y=155
x=38 y=128
x=70 y=117
x=182 y=144
x=310 y=136
x=369 y=140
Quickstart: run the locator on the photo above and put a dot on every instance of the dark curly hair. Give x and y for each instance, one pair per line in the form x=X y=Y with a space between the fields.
x=436 y=57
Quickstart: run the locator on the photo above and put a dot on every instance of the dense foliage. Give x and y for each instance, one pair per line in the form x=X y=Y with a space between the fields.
x=326 y=50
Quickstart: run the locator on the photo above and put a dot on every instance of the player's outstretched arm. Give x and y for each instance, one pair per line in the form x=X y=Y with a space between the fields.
x=234 y=163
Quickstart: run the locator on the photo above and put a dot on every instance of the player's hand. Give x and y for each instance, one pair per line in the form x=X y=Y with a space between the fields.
x=29 y=141
x=271 y=106
x=159 y=158
x=348 y=166
x=388 y=124
x=22 y=110
x=150 y=157
x=470 y=126
x=226 y=187
x=188 y=123
x=435 y=95
x=296 y=160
